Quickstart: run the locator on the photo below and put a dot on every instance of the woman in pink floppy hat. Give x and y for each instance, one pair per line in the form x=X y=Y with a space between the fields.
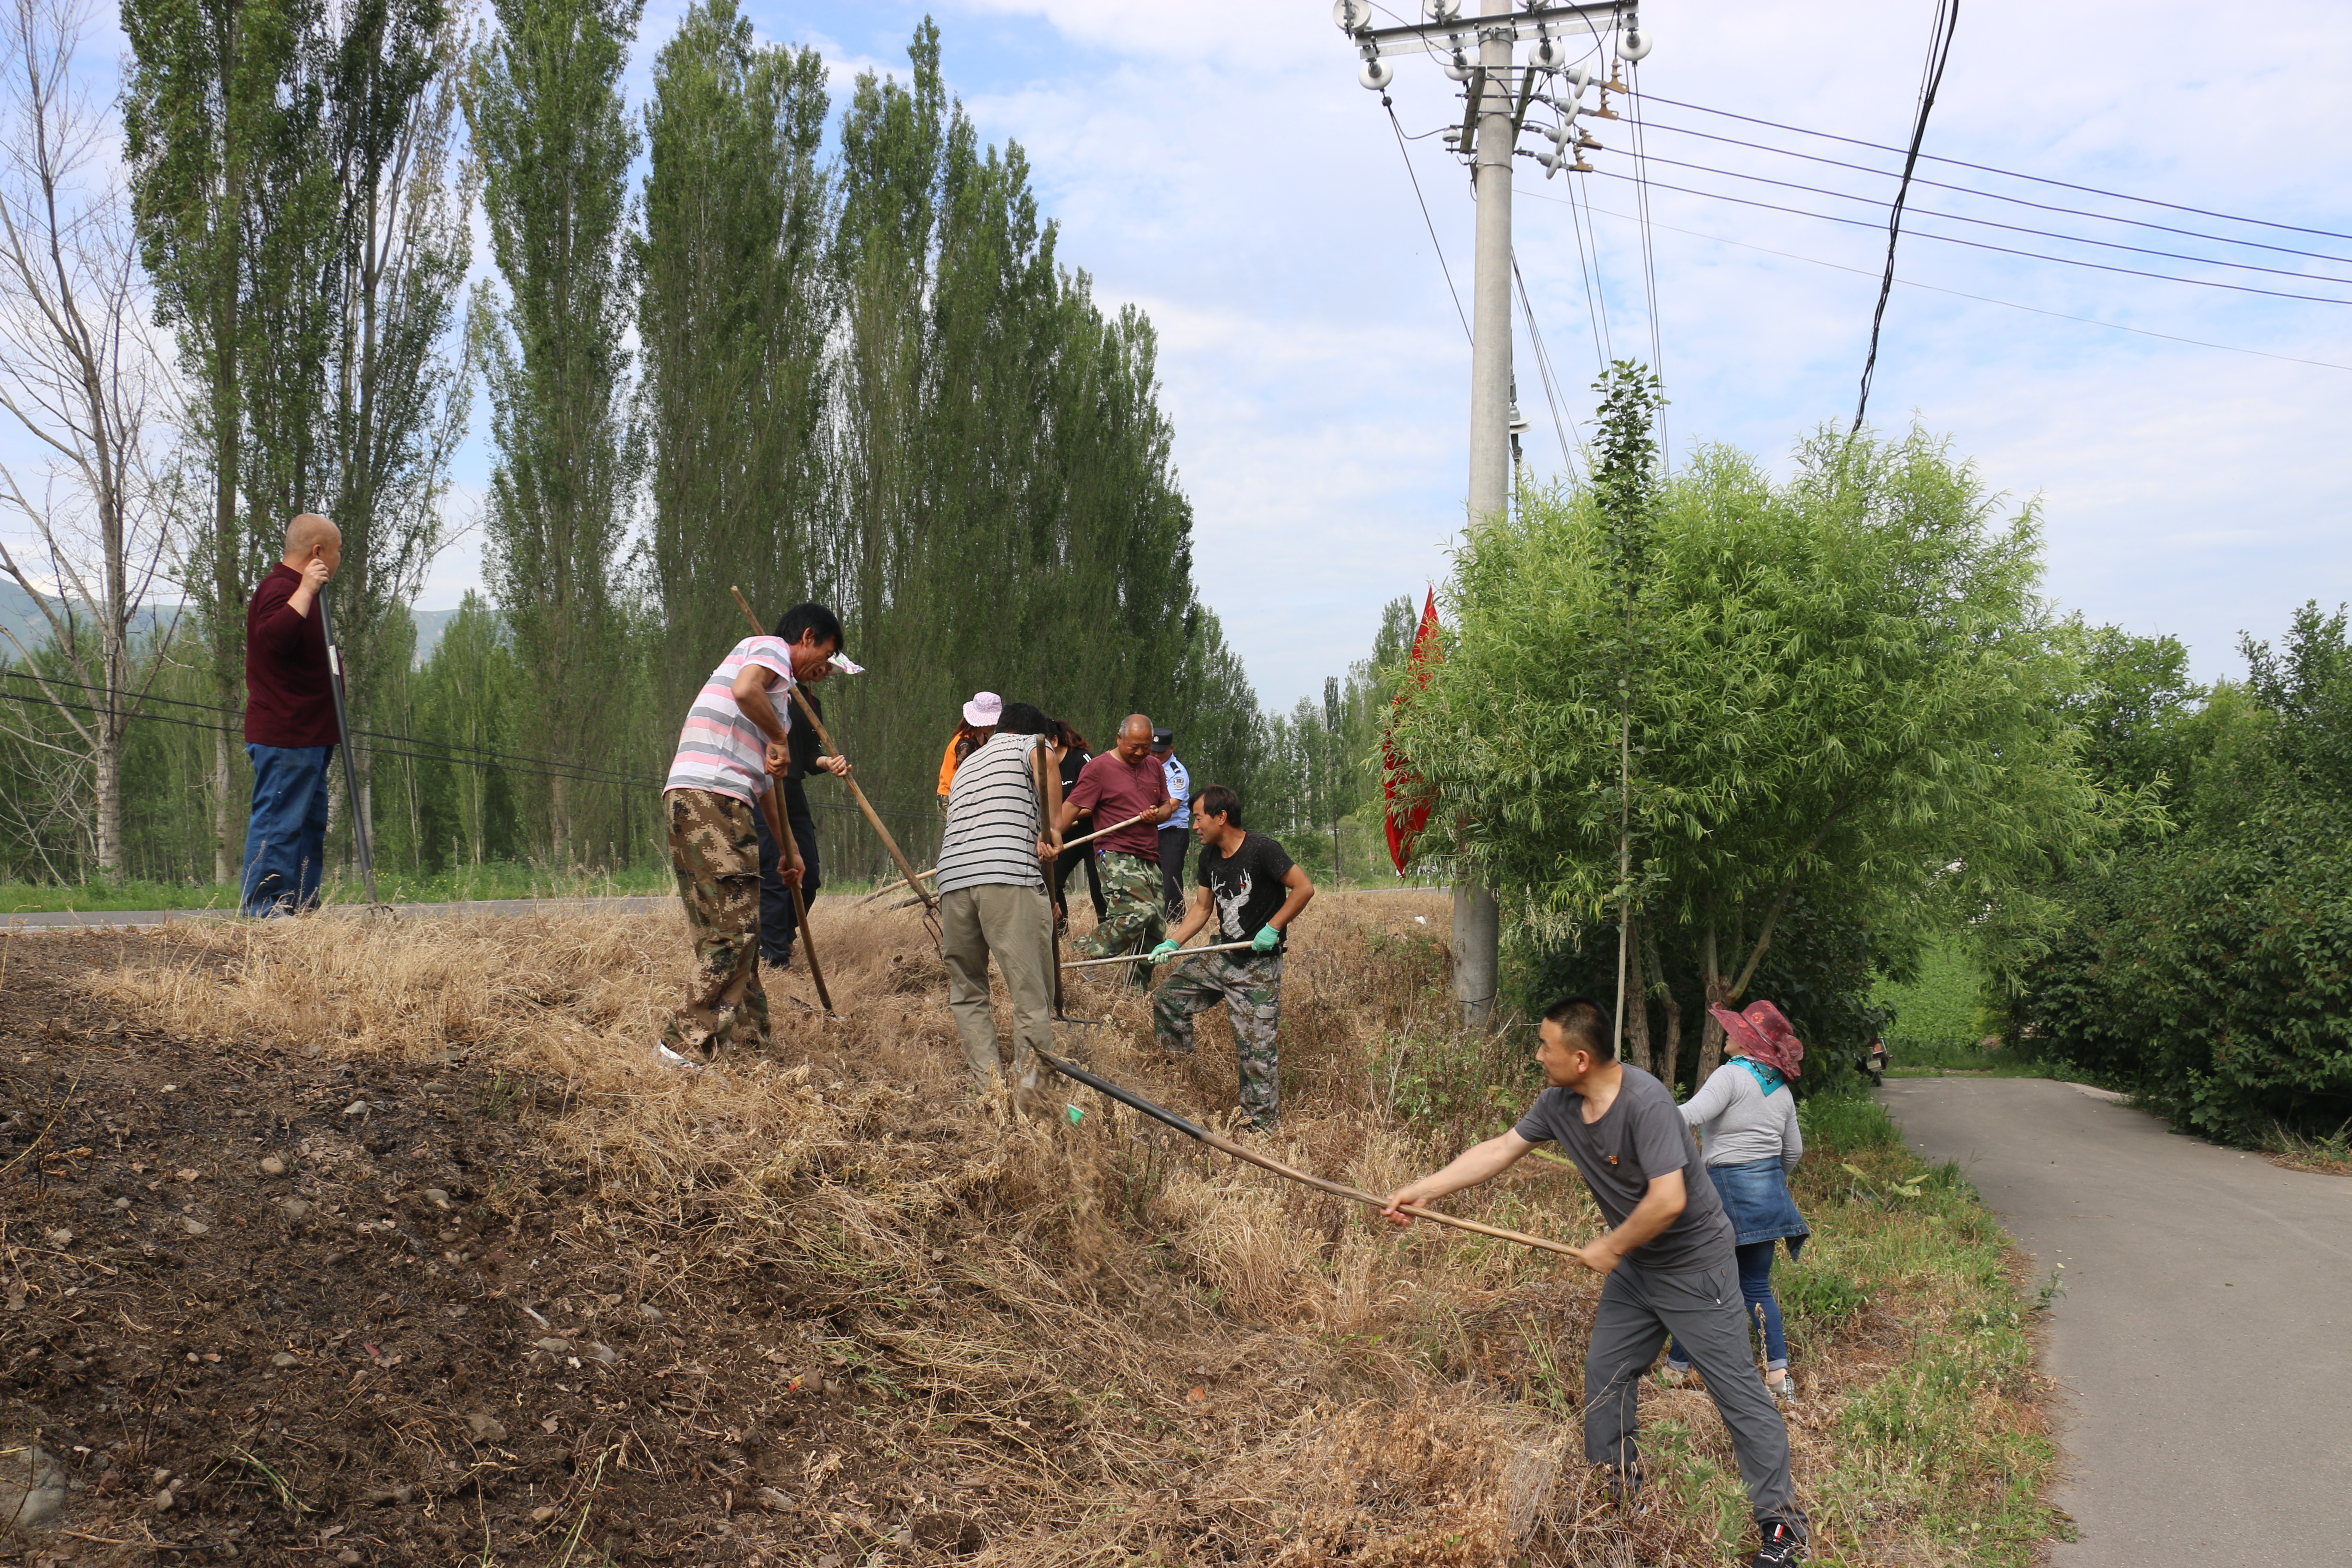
x=1747 y=1120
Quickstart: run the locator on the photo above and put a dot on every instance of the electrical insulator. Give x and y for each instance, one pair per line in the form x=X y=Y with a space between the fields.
x=1635 y=44
x=1351 y=15
x=1548 y=54
x=1442 y=10
x=1375 y=75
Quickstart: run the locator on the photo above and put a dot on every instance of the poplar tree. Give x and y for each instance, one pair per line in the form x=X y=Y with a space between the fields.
x=555 y=145
x=733 y=315
x=211 y=118
x=397 y=393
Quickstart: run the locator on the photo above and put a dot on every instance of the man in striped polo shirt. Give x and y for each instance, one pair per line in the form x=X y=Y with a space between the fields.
x=992 y=860
x=737 y=738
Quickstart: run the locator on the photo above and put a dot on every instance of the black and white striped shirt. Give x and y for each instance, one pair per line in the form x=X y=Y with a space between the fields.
x=993 y=825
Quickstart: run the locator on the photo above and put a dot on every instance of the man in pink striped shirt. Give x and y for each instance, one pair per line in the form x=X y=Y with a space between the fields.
x=734 y=742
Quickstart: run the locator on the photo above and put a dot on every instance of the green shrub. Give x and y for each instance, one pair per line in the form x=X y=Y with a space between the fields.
x=1846 y=1123
x=1815 y=1293
x=2217 y=976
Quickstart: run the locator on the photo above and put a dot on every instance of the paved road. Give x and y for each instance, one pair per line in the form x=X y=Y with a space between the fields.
x=2205 y=1335
x=104 y=920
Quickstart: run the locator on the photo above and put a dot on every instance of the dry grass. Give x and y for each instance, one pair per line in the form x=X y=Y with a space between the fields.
x=1232 y=1369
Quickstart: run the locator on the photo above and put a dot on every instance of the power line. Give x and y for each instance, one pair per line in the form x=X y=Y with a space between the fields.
x=483 y=757
x=2010 y=227
x=1988 y=196
x=1650 y=266
x=1543 y=364
x=1407 y=156
x=1947 y=23
x=2006 y=173
x=1596 y=305
x=1955 y=293
x=1997 y=249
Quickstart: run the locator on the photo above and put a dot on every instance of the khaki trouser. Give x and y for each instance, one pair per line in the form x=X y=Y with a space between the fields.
x=1016 y=924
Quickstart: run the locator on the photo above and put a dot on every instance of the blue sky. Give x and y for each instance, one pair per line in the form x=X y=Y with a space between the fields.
x=1216 y=164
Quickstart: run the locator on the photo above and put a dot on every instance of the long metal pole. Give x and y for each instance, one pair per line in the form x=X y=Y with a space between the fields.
x=1478 y=925
x=351 y=767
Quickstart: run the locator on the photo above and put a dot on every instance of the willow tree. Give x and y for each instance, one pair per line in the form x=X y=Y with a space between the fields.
x=554 y=147
x=1843 y=697
x=733 y=314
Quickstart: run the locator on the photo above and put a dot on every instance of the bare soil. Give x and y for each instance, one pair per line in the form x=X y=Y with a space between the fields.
x=414 y=1338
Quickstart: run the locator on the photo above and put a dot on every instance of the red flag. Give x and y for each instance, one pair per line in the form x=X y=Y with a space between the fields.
x=1407 y=797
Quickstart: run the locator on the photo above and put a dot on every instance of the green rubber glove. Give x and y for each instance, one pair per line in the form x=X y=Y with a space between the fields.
x=1266 y=940
x=1164 y=951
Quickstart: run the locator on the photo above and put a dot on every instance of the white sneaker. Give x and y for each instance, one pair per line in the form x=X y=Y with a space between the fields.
x=664 y=1057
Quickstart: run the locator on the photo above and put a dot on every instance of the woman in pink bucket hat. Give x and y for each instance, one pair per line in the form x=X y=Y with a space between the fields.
x=1747 y=1120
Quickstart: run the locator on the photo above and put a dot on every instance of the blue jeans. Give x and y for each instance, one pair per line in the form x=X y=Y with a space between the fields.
x=286 y=838
x=779 y=925
x=1763 y=1312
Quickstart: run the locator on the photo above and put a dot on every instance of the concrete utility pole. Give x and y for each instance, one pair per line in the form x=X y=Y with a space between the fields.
x=1477 y=923
x=1499 y=92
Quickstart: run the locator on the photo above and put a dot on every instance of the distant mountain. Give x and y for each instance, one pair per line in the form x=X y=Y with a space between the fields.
x=21 y=614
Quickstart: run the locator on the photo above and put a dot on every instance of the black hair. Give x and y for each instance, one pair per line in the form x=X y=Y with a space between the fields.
x=1587 y=1024
x=803 y=618
x=1020 y=719
x=1218 y=801
x=1065 y=734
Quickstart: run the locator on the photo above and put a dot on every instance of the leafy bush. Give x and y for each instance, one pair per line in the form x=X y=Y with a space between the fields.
x=2217 y=976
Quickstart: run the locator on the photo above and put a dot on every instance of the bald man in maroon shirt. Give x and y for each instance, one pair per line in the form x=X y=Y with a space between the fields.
x=290 y=722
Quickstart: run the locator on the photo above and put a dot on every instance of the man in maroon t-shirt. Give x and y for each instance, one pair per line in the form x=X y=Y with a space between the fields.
x=1115 y=786
x=289 y=722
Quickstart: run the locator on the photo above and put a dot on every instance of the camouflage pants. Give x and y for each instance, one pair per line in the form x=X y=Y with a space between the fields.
x=715 y=848
x=1251 y=985
x=1130 y=887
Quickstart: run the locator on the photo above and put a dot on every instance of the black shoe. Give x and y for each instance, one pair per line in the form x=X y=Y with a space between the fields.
x=1782 y=1546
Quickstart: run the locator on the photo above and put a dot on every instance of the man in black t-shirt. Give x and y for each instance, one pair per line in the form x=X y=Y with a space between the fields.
x=1253 y=891
x=1667 y=1255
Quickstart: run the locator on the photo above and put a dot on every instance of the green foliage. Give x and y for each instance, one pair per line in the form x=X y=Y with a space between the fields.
x=543 y=105
x=1844 y=689
x=1844 y=1124
x=1817 y=1295
x=2213 y=970
x=1939 y=1008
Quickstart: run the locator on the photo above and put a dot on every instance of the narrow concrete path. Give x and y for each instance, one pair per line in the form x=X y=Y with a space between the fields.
x=2202 y=1338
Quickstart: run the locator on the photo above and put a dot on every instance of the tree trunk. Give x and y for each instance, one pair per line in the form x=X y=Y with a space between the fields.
x=1710 y=1048
x=1671 y=1058
x=1637 y=1001
x=226 y=866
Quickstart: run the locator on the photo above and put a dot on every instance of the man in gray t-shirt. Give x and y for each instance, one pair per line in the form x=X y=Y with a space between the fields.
x=1667 y=1257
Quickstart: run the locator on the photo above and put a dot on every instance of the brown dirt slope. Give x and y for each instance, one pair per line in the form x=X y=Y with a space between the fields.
x=387 y=1243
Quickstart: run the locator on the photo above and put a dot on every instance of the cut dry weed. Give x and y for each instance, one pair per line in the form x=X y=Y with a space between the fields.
x=1096 y=1343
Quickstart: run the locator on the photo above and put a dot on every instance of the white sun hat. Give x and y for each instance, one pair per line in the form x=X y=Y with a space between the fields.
x=983 y=710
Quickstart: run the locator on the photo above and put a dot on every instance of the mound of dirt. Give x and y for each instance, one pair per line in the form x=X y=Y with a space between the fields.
x=260 y=1299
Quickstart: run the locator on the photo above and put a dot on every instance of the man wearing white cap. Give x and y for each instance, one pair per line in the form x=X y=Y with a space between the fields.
x=735 y=742
x=979 y=716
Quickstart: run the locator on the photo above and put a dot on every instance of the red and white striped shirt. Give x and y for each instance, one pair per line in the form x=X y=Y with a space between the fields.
x=719 y=749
